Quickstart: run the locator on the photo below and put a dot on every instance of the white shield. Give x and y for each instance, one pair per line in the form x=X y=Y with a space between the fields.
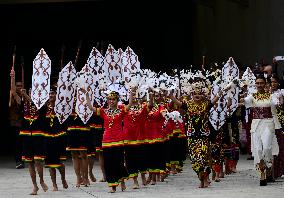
x=41 y=79
x=112 y=62
x=96 y=65
x=66 y=90
x=230 y=72
x=87 y=83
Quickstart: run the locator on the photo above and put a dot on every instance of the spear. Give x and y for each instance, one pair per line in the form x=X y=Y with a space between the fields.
x=78 y=52
x=62 y=56
x=203 y=62
x=12 y=80
x=23 y=72
x=102 y=47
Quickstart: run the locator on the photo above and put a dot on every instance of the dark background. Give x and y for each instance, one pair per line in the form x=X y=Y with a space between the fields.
x=160 y=33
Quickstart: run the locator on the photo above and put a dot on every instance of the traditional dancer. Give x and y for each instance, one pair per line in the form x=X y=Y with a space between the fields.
x=134 y=152
x=278 y=163
x=55 y=142
x=262 y=128
x=198 y=131
x=113 y=140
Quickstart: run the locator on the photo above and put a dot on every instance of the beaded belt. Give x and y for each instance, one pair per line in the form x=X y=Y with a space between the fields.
x=261 y=112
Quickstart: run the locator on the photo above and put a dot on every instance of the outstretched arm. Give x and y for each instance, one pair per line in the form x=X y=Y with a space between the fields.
x=88 y=101
x=132 y=92
x=174 y=99
x=13 y=93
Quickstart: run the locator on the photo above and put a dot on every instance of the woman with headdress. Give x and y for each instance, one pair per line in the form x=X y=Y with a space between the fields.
x=55 y=142
x=262 y=127
x=113 y=139
x=154 y=132
x=133 y=128
x=198 y=132
x=278 y=162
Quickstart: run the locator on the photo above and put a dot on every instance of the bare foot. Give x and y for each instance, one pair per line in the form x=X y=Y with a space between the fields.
x=148 y=181
x=153 y=183
x=55 y=187
x=123 y=187
x=201 y=184
x=144 y=182
x=135 y=186
x=92 y=177
x=113 y=189
x=64 y=183
x=34 y=192
x=44 y=186
x=206 y=183
x=79 y=182
x=102 y=180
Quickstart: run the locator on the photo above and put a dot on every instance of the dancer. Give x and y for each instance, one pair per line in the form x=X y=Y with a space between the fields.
x=113 y=139
x=262 y=128
x=55 y=142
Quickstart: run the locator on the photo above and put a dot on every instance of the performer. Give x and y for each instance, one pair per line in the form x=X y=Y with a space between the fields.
x=134 y=121
x=262 y=128
x=55 y=142
x=96 y=125
x=16 y=118
x=278 y=163
x=78 y=142
x=113 y=142
x=155 y=134
x=198 y=131
x=33 y=141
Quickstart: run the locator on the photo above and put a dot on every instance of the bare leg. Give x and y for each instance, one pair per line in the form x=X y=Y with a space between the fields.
x=222 y=175
x=154 y=178
x=91 y=162
x=63 y=179
x=52 y=172
x=217 y=177
x=143 y=177
x=158 y=177
x=76 y=166
x=213 y=175
x=113 y=189
x=39 y=168
x=101 y=161
x=84 y=168
x=123 y=187
x=149 y=178
x=201 y=178
x=206 y=180
x=33 y=177
x=135 y=184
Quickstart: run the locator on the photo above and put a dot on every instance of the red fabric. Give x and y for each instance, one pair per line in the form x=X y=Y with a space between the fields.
x=113 y=133
x=154 y=123
x=133 y=128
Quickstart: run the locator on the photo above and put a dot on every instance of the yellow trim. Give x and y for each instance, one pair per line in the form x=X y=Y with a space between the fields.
x=111 y=144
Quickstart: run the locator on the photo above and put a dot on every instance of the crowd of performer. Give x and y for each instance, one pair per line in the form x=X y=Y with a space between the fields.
x=135 y=137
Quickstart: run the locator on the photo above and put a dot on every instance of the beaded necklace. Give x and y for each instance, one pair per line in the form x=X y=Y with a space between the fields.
x=111 y=114
x=197 y=109
x=135 y=111
x=50 y=114
x=261 y=96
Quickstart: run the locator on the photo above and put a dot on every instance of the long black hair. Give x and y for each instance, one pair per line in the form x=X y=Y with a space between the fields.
x=261 y=76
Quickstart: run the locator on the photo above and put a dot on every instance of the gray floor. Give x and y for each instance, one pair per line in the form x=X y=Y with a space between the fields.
x=245 y=183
